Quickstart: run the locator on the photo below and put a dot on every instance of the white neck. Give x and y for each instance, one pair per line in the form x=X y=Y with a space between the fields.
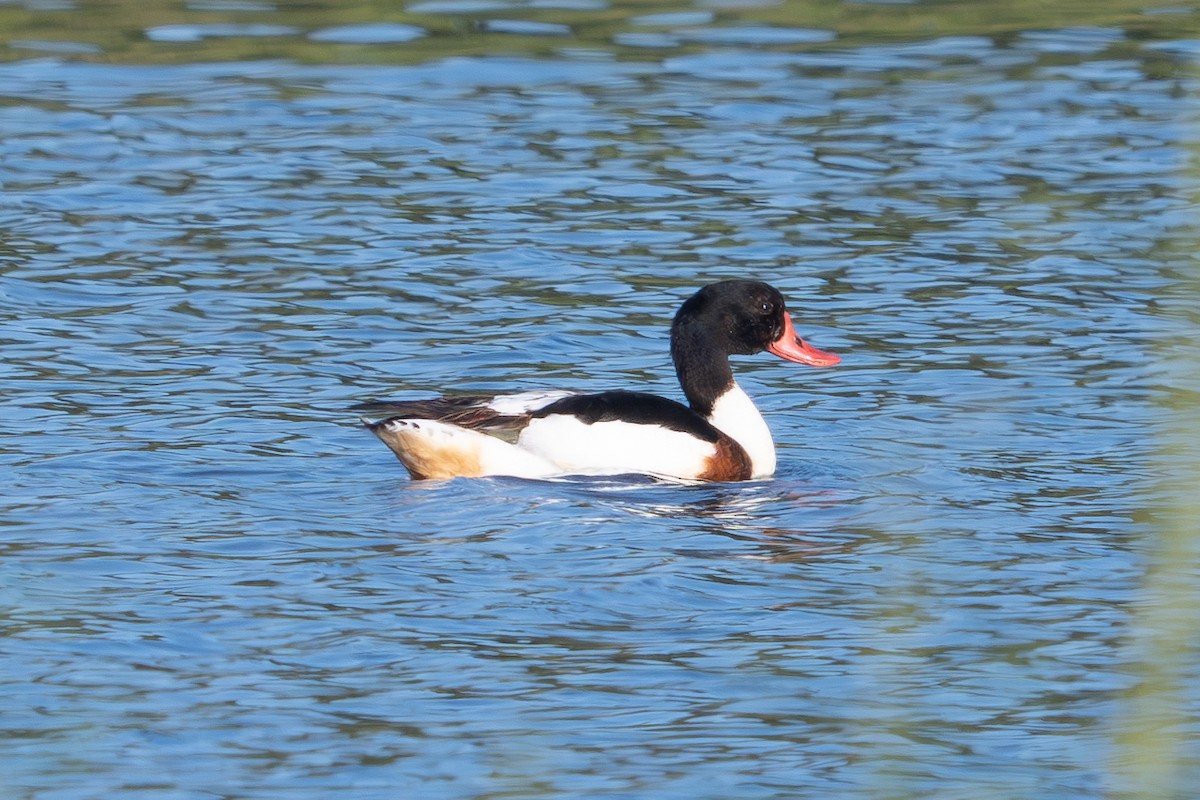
x=735 y=414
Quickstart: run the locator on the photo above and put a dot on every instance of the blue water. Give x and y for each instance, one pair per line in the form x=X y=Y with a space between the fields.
x=218 y=585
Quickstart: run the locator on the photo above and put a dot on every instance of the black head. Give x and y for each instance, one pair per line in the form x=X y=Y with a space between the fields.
x=733 y=318
x=737 y=317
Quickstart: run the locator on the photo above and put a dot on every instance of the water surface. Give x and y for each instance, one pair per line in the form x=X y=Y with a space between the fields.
x=218 y=585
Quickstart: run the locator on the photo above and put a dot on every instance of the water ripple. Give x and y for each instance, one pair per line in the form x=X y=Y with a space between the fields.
x=218 y=583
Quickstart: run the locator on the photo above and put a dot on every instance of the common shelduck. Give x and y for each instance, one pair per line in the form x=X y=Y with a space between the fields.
x=719 y=436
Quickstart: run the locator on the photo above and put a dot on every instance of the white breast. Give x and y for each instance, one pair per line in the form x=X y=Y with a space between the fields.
x=735 y=414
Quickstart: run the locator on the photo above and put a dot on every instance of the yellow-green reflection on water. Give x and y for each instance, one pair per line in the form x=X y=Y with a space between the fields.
x=1155 y=735
x=135 y=31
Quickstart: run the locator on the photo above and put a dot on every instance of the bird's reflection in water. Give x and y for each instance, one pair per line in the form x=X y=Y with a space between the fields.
x=750 y=518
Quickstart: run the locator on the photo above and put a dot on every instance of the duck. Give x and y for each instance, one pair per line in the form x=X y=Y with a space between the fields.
x=719 y=435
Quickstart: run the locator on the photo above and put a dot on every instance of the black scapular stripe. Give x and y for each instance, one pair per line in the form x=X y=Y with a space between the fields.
x=638 y=408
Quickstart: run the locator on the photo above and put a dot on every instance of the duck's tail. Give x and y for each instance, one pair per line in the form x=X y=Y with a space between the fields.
x=429 y=449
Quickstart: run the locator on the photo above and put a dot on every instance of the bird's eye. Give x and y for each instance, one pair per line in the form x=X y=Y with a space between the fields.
x=766 y=307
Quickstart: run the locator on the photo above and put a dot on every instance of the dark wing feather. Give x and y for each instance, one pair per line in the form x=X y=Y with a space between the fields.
x=474 y=412
x=466 y=411
x=426 y=408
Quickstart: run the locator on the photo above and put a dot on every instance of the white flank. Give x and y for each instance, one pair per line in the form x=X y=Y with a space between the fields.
x=735 y=414
x=524 y=402
x=614 y=448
